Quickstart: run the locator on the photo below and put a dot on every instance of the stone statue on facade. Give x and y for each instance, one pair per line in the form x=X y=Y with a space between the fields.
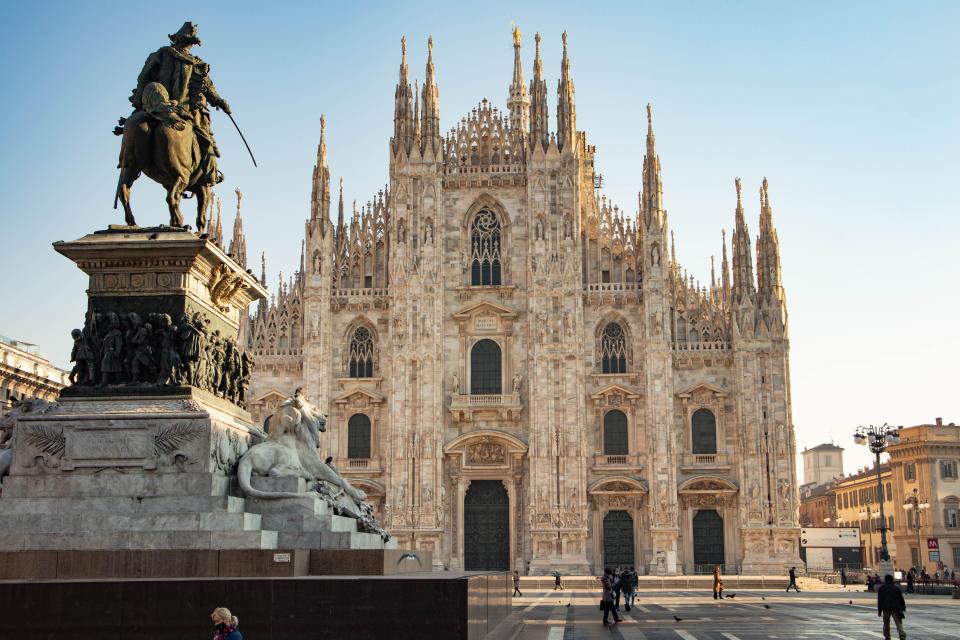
x=290 y=451
x=168 y=136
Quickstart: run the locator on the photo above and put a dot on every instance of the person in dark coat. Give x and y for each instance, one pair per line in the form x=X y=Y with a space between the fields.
x=843 y=578
x=793 y=579
x=606 y=599
x=890 y=604
x=226 y=624
x=910 y=579
x=628 y=585
x=516 y=583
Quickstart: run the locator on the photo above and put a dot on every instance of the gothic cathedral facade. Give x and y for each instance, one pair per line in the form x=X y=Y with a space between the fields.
x=522 y=377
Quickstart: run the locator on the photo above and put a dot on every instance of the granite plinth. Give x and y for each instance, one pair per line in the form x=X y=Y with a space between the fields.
x=431 y=605
x=160 y=270
x=207 y=563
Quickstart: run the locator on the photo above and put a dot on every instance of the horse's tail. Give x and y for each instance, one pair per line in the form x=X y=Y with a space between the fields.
x=116 y=195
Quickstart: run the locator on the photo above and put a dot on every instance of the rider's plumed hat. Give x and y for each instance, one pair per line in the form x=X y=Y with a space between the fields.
x=187 y=32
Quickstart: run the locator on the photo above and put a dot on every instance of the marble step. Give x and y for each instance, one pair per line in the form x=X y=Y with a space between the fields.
x=10 y=506
x=286 y=523
x=113 y=540
x=330 y=540
x=132 y=485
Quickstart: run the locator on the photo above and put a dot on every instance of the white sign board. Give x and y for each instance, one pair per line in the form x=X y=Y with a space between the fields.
x=819 y=559
x=830 y=537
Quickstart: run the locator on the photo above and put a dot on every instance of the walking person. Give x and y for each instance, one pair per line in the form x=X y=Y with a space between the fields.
x=556 y=581
x=628 y=585
x=890 y=604
x=226 y=624
x=910 y=579
x=516 y=584
x=717 y=584
x=616 y=589
x=843 y=578
x=793 y=579
x=606 y=598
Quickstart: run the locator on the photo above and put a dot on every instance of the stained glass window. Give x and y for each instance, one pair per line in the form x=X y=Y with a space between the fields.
x=613 y=349
x=485 y=246
x=361 y=354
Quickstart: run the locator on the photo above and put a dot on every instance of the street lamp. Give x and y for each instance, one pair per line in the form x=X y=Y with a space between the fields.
x=877 y=439
x=917 y=504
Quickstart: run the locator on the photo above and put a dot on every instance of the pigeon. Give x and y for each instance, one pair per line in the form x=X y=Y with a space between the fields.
x=763 y=597
x=409 y=555
x=766 y=606
x=851 y=602
x=154 y=236
x=568 y=605
x=677 y=619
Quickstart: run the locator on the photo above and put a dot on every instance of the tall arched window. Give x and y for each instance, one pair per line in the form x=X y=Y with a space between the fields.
x=358 y=436
x=704 y=428
x=361 y=354
x=485 y=246
x=485 y=368
x=615 y=441
x=613 y=349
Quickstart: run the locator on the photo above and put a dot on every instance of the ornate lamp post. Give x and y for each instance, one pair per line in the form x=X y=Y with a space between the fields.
x=877 y=439
x=916 y=504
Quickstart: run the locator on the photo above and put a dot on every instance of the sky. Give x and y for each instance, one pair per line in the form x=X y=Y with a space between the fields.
x=850 y=109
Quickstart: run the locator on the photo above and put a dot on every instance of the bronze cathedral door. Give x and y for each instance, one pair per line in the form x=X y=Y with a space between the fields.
x=617 y=540
x=486 y=527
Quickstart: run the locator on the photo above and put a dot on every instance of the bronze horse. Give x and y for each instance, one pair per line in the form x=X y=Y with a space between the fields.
x=165 y=147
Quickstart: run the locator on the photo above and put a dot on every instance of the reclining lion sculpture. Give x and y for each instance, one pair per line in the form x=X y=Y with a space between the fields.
x=290 y=451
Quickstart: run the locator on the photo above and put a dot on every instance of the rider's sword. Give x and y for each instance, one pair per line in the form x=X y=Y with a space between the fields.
x=229 y=115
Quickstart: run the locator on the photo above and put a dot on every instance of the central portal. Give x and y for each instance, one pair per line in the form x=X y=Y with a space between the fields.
x=617 y=540
x=486 y=527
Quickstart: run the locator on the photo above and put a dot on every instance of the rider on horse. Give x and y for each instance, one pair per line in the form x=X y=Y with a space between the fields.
x=189 y=90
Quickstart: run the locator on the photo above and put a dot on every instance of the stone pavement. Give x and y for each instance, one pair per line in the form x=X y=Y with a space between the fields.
x=815 y=616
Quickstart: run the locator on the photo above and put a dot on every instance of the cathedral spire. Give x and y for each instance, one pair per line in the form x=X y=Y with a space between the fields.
x=218 y=225
x=403 y=122
x=539 y=119
x=340 y=227
x=320 y=196
x=430 y=106
x=743 y=283
x=724 y=271
x=518 y=102
x=238 y=244
x=416 y=113
x=566 y=108
x=652 y=200
x=768 y=251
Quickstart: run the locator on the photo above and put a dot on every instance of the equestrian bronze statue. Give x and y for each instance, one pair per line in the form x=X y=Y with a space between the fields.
x=168 y=135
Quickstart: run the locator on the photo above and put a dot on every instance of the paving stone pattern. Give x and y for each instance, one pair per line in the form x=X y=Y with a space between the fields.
x=812 y=616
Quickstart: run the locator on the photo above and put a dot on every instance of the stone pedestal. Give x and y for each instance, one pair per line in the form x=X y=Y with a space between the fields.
x=145 y=457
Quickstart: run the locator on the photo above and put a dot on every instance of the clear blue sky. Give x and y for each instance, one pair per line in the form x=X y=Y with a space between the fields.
x=850 y=109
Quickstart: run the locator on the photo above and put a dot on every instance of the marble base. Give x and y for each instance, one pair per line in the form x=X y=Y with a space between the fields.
x=126 y=473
